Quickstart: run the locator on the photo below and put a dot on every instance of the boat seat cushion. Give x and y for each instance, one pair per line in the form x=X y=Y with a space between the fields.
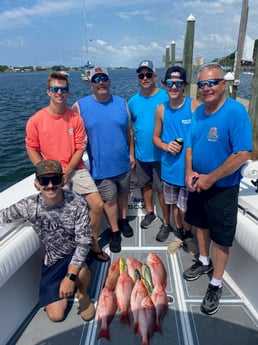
x=16 y=248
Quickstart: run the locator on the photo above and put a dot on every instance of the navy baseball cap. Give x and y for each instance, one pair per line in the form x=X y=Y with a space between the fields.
x=172 y=70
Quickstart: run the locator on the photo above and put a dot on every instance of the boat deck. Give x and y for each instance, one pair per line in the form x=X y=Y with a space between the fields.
x=234 y=323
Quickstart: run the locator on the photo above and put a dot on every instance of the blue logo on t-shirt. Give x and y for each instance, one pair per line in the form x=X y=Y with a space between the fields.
x=213 y=134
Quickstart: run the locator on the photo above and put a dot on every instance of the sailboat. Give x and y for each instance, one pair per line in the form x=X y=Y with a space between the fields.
x=85 y=75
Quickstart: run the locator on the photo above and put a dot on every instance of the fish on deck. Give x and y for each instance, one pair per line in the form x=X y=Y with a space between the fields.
x=107 y=307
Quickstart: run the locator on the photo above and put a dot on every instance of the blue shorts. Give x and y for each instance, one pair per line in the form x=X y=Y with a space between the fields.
x=215 y=209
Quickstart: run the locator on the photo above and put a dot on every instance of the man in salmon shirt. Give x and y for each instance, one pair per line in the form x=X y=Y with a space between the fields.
x=56 y=132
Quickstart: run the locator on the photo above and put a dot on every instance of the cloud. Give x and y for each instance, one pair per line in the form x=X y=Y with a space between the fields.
x=135 y=13
x=20 y=16
x=122 y=32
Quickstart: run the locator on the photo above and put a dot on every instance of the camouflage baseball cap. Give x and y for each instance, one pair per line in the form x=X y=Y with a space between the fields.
x=46 y=167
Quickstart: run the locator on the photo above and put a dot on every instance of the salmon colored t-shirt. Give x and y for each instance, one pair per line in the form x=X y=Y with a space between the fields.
x=56 y=136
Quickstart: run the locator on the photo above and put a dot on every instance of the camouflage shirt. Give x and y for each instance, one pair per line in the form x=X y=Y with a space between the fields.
x=63 y=228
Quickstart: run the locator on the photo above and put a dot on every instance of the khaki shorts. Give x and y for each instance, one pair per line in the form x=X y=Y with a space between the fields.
x=81 y=182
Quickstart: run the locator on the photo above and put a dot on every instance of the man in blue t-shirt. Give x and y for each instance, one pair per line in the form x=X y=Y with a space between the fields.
x=142 y=106
x=219 y=144
x=110 y=149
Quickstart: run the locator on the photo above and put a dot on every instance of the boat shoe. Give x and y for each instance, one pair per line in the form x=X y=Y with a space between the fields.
x=87 y=308
x=175 y=245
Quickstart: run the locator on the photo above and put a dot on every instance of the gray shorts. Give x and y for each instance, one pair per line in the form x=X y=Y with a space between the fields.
x=175 y=195
x=149 y=173
x=81 y=182
x=109 y=187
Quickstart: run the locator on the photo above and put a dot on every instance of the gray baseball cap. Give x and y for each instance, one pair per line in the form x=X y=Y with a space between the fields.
x=146 y=64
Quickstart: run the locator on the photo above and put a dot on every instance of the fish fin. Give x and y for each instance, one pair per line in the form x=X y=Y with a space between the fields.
x=136 y=328
x=104 y=333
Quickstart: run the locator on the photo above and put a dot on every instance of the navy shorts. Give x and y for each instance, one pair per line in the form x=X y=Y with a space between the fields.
x=51 y=278
x=215 y=209
x=149 y=173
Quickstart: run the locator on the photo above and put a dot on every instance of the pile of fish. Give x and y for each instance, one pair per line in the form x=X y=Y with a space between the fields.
x=136 y=289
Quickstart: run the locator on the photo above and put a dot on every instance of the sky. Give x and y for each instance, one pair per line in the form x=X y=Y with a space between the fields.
x=117 y=33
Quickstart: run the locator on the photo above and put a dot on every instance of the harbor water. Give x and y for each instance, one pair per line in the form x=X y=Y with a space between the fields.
x=22 y=94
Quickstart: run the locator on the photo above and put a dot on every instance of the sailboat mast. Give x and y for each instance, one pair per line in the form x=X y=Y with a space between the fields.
x=85 y=33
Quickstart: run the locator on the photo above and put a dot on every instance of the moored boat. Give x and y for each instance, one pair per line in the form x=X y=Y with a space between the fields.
x=85 y=75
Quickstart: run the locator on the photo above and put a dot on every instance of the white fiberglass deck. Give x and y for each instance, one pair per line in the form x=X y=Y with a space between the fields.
x=234 y=323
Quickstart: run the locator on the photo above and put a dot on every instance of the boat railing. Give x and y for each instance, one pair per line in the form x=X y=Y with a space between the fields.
x=9 y=228
x=246 y=212
x=247 y=222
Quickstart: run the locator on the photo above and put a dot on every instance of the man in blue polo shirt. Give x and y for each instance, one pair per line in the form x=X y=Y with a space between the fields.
x=219 y=144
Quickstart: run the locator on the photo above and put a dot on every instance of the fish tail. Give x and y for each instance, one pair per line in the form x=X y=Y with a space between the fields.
x=145 y=342
x=158 y=328
x=124 y=318
x=104 y=333
x=136 y=328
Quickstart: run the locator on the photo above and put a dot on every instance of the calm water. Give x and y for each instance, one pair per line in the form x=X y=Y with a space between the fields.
x=22 y=94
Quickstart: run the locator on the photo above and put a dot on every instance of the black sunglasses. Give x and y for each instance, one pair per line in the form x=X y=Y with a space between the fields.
x=55 y=180
x=103 y=78
x=148 y=75
x=209 y=83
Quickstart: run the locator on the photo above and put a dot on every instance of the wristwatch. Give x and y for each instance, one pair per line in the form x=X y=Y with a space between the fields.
x=71 y=276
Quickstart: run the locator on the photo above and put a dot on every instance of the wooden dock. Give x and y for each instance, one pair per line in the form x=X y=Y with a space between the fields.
x=193 y=94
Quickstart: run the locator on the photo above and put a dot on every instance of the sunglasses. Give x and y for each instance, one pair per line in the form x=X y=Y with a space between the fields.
x=209 y=83
x=103 y=78
x=148 y=75
x=170 y=83
x=63 y=89
x=55 y=180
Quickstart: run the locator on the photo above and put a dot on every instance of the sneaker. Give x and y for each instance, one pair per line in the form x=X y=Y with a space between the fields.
x=190 y=245
x=196 y=270
x=179 y=233
x=210 y=303
x=148 y=220
x=125 y=227
x=163 y=233
x=174 y=245
x=115 y=242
